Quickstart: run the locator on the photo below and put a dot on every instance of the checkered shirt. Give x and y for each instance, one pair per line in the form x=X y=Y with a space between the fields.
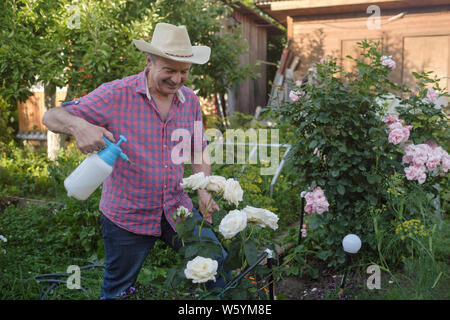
x=136 y=194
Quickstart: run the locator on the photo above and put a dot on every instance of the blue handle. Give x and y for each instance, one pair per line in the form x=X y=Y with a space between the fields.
x=112 y=150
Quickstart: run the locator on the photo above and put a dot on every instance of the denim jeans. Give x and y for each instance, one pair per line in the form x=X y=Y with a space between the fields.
x=125 y=253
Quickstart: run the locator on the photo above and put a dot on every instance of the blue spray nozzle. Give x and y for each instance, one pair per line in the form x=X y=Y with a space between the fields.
x=112 y=150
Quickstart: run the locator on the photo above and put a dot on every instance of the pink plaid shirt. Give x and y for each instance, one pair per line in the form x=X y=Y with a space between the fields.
x=136 y=194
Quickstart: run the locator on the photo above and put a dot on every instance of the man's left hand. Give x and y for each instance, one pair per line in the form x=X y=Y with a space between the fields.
x=205 y=200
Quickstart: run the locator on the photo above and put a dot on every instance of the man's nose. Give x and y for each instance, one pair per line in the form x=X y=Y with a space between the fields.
x=176 y=78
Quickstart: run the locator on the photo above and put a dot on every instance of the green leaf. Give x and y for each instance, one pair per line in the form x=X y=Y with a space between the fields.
x=250 y=252
x=341 y=189
x=313 y=144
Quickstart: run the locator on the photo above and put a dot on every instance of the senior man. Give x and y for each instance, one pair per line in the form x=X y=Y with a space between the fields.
x=139 y=198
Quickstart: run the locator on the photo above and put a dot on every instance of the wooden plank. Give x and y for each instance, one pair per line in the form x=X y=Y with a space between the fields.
x=436 y=58
x=308 y=4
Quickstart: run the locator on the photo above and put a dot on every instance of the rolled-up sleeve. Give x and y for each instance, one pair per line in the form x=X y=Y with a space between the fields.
x=92 y=107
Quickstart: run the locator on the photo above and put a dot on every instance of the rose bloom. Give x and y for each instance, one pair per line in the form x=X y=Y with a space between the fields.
x=416 y=172
x=388 y=62
x=398 y=135
x=316 y=202
x=445 y=166
x=233 y=192
x=295 y=95
x=262 y=217
x=395 y=125
x=420 y=154
x=434 y=158
x=216 y=184
x=434 y=98
x=182 y=212
x=195 y=181
x=233 y=223
x=390 y=119
x=201 y=270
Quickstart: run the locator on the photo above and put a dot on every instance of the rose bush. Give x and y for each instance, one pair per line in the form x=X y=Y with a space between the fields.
x=237 y=230
x=351 y=132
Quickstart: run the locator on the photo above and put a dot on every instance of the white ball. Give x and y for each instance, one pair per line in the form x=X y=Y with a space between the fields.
x=351 y=243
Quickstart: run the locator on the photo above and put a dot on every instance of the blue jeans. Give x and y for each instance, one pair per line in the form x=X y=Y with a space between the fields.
x=125 y=253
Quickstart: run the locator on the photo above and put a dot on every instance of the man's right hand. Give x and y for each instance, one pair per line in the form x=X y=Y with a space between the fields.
x=88 y=136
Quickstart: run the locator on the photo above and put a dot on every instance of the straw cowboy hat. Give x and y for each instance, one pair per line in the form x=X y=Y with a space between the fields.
x=172 y=42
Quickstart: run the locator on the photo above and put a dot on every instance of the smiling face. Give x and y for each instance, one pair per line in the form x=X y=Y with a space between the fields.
x=166 y=76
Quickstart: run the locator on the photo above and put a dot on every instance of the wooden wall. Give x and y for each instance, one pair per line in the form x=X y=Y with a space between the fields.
x=418 y=41
x=253 y=92
x=30 y=112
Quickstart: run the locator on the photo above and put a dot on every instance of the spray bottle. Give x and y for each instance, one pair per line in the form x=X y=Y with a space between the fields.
x=91 y=173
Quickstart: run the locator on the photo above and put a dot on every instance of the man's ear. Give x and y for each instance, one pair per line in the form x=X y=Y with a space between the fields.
x=148 y=60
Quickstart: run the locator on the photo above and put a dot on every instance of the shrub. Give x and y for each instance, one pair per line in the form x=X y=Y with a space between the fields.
x=341 y=144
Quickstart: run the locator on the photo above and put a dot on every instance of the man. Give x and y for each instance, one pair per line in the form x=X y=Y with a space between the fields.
x=139 y=198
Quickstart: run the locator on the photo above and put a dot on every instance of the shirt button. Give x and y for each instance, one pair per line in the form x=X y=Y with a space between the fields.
x=165 y=186
x=165 y=166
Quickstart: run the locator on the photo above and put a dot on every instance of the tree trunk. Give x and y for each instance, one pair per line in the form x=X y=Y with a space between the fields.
x=55 y=141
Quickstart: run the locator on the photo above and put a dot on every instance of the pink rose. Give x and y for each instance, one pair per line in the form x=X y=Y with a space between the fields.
x=420 y=154
x=390 y=119
x=432 y=95
x=388 y=62
x=394 y=125
x=416 y=172
x=434 y=158
x=445 y=166
x=316 y=201
x=295 y=95
x=398 y=135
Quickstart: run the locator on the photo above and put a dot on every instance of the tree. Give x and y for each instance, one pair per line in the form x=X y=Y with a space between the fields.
x=86 y=43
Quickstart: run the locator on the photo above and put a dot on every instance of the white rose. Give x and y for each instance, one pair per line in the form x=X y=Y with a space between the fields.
x=216 y=184
x=201 y=269
x=195 y=181
x=183 y=212
x=233 y=192
x=3 y=238
x=262 y=217
x=233 y=223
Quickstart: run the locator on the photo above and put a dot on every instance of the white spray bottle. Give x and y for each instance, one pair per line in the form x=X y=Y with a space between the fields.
x=91 y=173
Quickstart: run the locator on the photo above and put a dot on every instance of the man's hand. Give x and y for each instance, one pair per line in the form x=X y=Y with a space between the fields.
x=206 y=201
x=89 y=137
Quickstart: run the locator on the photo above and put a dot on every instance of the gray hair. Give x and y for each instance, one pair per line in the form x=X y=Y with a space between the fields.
x=152 y=57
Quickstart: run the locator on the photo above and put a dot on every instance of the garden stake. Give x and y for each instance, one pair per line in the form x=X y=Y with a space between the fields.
x=233 y=283
x=351 y=244
x=347 y=262
x=302 y=213
x=269 y=265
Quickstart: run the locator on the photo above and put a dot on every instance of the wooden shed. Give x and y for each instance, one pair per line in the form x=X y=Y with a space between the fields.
x=256 y=29
x=31 y=111
x=415 y=32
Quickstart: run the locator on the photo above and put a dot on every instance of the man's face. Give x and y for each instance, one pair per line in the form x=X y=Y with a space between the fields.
x=167 y=76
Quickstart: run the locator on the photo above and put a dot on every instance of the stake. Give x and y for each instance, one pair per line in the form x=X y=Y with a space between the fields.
x=302 y=212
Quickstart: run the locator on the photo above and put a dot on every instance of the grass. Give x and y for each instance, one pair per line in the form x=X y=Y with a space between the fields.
x=31 y=251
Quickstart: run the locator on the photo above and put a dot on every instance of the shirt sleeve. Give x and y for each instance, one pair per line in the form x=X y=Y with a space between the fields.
x=92 y=107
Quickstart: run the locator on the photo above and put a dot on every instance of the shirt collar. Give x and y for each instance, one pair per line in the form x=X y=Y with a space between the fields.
x=143 y=87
